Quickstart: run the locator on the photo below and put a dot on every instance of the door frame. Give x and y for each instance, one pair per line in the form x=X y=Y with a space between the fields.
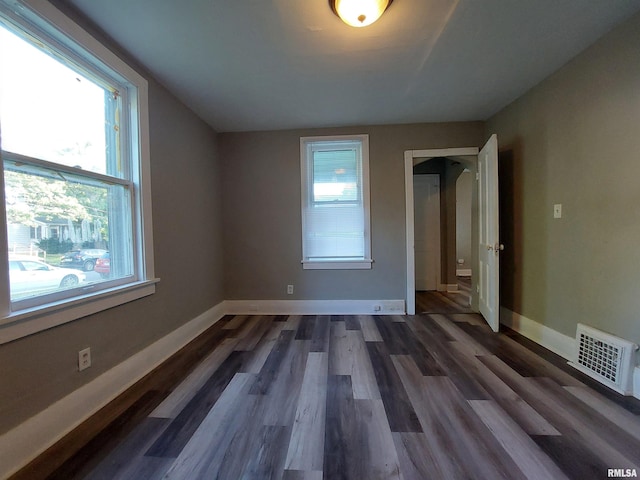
x=411 y=158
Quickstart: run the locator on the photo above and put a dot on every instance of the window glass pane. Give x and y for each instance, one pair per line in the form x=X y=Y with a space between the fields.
x=64 y=230
x=51 y=111
x=335 y=176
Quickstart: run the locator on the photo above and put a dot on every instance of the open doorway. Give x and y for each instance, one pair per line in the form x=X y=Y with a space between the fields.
x=448 y=164
x=442 y=243
x=464 y=248
x=486 y=284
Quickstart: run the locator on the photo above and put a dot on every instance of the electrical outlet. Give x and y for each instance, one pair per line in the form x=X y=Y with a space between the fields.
x=84 y=359
x=289 y=289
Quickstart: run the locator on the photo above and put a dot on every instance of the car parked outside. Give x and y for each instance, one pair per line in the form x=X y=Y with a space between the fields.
x=84 y=259
x=103 y=265
x=29 y=277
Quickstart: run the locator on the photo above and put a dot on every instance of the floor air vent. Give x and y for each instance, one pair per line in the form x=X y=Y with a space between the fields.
x=606 y=358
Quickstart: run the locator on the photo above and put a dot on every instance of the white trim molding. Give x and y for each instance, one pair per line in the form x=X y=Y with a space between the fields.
x=45 y=317
x=463 y=272
x=636 y=382
x=25 y=442
x=555 y=341
x=363 y=264
x=444 y=152
x=314 y=307
x=410 y=232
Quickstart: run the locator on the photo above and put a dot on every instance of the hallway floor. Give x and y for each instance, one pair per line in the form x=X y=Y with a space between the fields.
x=446 y=302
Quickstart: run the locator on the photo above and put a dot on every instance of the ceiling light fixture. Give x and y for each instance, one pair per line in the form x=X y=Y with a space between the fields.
x=359 y=13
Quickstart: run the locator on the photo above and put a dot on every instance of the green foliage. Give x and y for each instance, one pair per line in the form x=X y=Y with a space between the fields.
x=92 y=199
x=55 y=246
x=29 y=197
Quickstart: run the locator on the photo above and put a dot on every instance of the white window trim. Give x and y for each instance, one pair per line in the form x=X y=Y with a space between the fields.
x=364 y=264
x=14 y=325
x=335 y=264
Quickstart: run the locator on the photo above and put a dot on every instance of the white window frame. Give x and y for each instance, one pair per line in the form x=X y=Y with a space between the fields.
x=55 y=28
x=307 y=199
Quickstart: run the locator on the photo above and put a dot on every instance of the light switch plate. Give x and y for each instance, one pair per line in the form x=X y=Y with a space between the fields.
x=557 y=210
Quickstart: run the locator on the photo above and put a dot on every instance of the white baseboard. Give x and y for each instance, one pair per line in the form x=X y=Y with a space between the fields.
x=315 y=307
x=25 y=442
x=463 y=272
x=555 y=341
x=448 y=287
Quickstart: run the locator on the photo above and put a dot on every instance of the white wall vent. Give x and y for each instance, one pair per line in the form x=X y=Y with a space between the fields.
x=606 y=358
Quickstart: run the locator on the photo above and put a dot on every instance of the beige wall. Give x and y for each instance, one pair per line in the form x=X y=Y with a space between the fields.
x=40 y=369
x=262 y=227
x=574 y=140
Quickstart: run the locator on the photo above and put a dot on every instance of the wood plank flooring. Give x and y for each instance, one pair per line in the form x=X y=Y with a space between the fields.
x=432 y=396
x=446 y=302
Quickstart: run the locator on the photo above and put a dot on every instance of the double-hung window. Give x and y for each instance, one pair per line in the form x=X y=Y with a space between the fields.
x=335 y=202
x=75 y=155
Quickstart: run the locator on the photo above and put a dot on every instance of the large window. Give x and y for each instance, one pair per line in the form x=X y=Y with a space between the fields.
x=74 y=138
x=335 y=202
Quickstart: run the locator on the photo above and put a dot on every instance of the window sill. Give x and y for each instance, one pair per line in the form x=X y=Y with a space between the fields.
x=361 y=264
x=14 y=326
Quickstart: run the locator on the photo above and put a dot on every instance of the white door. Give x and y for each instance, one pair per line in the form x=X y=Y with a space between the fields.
x=426 y=192
x=489 y=243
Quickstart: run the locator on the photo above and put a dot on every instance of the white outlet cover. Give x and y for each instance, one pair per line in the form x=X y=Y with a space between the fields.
x=84 y=359
x=557 y=210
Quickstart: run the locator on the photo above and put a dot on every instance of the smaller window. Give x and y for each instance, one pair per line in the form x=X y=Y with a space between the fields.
x=335 y=202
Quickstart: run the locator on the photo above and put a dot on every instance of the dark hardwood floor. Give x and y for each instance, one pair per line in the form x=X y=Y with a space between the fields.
x=446 y=302
x=432 y=396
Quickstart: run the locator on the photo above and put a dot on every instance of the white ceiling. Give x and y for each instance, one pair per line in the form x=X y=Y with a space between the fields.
x=278 y=64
